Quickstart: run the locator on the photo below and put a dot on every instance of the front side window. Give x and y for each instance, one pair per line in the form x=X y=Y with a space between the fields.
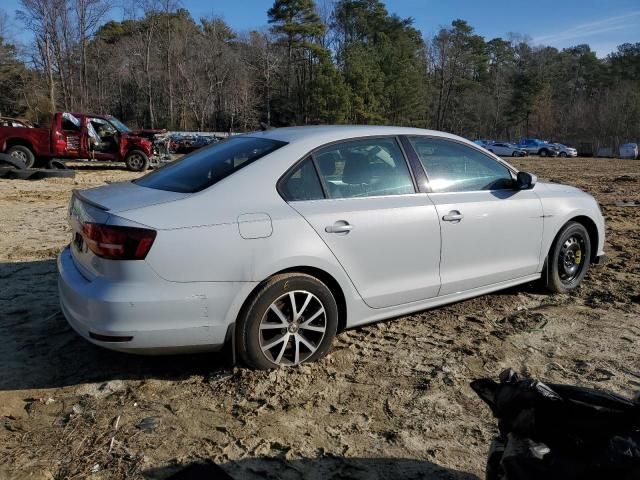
x=209 y=165
x=302 y=183
x=454 y=167
x=121 y=127
x=364 y=168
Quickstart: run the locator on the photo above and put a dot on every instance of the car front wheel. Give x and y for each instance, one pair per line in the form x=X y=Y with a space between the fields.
x=136 y=161
x=568 y=259
x=291 y=319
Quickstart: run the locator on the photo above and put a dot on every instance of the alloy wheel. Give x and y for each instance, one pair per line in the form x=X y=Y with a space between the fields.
x=292 y=328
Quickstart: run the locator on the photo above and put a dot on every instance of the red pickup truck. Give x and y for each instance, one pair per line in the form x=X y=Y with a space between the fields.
x=80 y=136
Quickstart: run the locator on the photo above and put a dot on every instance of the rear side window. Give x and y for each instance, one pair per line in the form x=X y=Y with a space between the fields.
x=364 y=168
x=453 y=167
x=209 y=165
x=302 y=183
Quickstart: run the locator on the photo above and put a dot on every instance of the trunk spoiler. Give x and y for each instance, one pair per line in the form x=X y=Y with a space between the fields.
x=78 y=194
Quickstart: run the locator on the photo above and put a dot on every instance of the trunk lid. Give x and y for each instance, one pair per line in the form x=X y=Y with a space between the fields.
x=120 y=197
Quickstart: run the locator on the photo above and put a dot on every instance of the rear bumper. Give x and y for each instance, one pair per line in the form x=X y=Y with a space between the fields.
x=147 y=317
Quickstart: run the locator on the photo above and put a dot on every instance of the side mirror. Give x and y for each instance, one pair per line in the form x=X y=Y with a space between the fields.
x=526 y=180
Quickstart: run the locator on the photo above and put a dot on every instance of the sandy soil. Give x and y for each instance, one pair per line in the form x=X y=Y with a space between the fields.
x=390 y=401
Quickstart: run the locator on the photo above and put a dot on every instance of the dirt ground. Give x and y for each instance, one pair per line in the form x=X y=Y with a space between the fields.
x=392 y=400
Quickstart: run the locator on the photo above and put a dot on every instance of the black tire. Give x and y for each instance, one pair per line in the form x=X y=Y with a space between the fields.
x=249 y=335
x=515 y=153
x=563 y=154
x=23 y=154
x=136 y=161
x=571 y=248
x=34 y=173
x=55 y=164
x=7 y=161
x=543 y=152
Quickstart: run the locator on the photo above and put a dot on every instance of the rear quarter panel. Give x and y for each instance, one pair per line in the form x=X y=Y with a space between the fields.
x=38 y=139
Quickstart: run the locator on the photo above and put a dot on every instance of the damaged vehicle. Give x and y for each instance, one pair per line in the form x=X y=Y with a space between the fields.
x=79 y=136
x=14 y=122
x=274 y=241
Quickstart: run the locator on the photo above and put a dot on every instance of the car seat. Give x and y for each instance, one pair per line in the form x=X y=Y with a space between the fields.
x=356 y=174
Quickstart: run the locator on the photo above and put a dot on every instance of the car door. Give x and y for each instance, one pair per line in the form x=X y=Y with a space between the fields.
x=491 y=232
x=103 y=137
x=366 y=209
x=529 y=146
x=499 y=149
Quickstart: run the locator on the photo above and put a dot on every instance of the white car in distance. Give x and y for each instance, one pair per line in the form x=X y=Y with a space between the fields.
x=505 y=149
x=565 y=151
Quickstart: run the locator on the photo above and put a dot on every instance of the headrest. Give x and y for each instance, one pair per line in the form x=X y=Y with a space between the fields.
x=356 y=168
x=327 y=163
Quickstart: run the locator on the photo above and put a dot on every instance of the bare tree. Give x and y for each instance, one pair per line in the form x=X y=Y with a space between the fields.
x=89 y=14
x=39 y=17
x=265 y=59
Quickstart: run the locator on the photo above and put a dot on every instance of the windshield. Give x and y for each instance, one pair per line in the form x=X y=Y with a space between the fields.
x=209 y=165
x=121 y=127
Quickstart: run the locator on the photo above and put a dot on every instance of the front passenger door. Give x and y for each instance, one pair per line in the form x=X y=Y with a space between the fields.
x=490 y=231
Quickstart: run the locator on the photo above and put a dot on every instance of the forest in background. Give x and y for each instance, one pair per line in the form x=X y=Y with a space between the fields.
x=343 y=61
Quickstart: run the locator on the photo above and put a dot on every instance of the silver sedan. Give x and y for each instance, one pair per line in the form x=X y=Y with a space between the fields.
x=506 y=149
x=274 y=241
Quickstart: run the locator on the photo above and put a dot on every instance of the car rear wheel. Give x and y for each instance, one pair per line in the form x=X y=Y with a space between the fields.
x=24 y=154
x=568 y=260
x=137 y=161
x=291 y=319
x=544 y=152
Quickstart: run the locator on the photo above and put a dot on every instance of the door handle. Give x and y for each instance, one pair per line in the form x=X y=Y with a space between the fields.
x=341 y=226
x=453 y=216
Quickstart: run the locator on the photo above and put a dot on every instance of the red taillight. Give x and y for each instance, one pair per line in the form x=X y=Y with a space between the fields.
x=118 y=243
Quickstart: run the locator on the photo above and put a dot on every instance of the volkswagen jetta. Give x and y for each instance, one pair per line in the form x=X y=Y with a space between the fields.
x=276 y=240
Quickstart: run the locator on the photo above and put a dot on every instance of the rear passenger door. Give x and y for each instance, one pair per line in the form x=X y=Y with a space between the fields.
x=491 y=231
x=360 y=198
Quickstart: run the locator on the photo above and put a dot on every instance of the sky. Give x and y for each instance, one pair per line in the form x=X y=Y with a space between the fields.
x=603 y=24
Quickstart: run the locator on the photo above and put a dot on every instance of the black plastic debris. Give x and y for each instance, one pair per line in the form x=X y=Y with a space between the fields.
x=551 y=431
x=14 y=169
x=201 y=470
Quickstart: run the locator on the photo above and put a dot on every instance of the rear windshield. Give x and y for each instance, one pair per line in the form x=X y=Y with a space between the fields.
x=209 y=165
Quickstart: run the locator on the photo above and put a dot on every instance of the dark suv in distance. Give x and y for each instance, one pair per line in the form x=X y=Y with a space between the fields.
x=534 y=146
